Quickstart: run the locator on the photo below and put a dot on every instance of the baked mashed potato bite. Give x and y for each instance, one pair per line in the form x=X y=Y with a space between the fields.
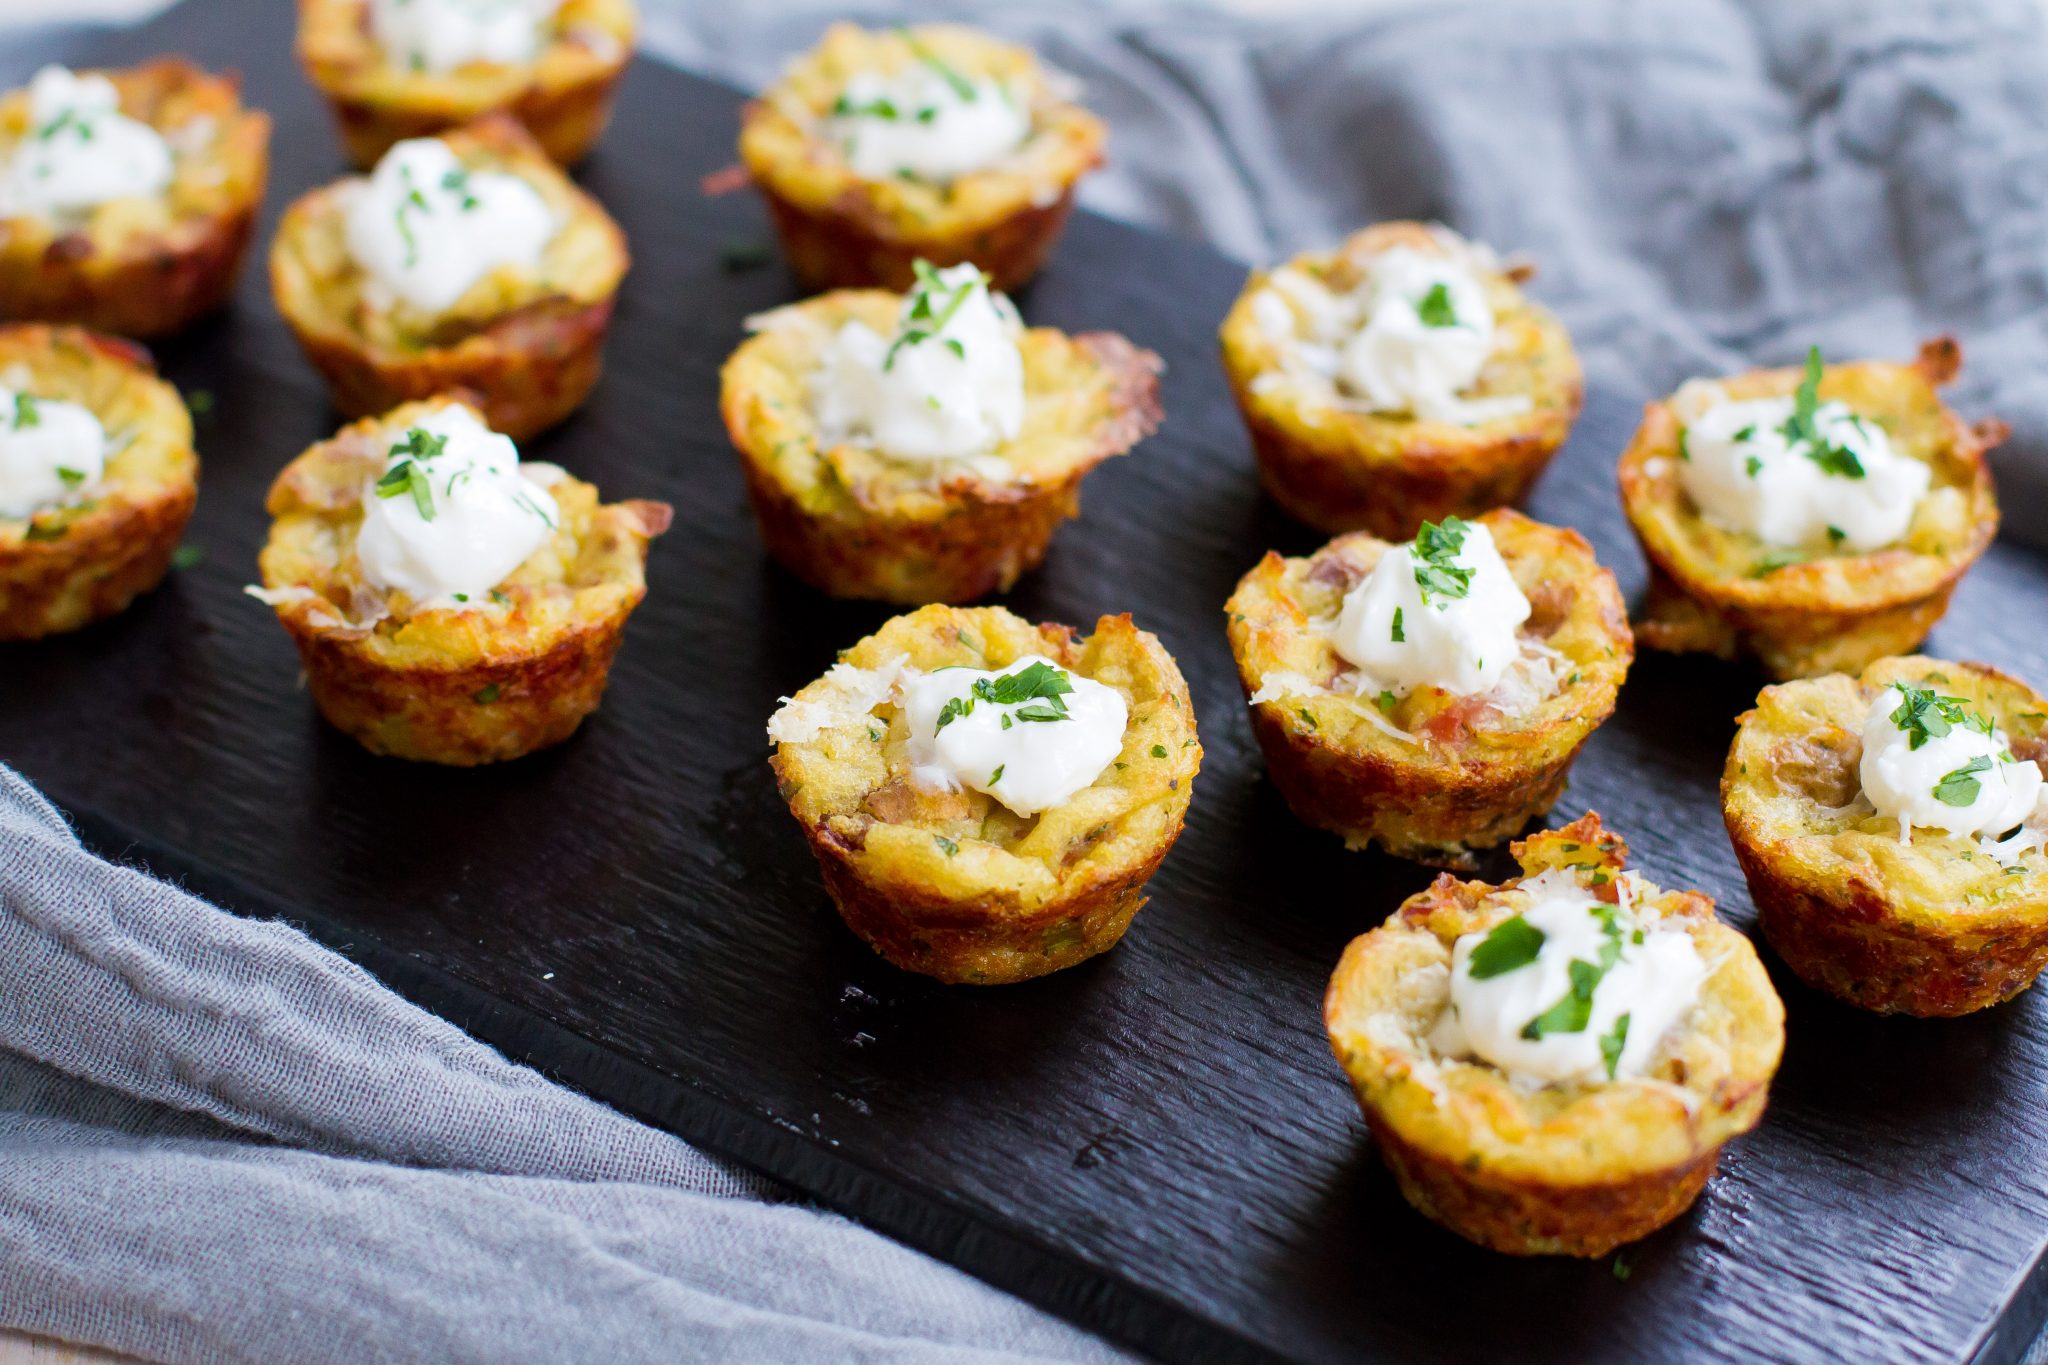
x=1818 y=518
x=1551 y=1066
x=1891 y=826
x=97 y=478
x=450 y=603
x=923 y=448
x=127 y=198
x=936 y=142
x=398 y=69
x=1401 y=378
x=987 y=798
x=1430 y=697
x=467 y=261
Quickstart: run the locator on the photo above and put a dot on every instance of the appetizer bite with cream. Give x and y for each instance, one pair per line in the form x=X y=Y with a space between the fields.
x=877 y=149
x=127 y=198
x=97 y=478
x=1551 y=1066
x=1816 y=518
x=986 y=797
x=467 y=261
x=450 y=602
x=1400 y=379
x=1430 y=697
x=1891 y=826
x=399 y=69
x=924 y=447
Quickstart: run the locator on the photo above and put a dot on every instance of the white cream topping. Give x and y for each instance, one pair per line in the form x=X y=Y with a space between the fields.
x=1414 y=334
x=948 y=385
x=1829 y=480
x=1931 y=761
x=1441 y=611
x=454 y=513
x=81 y=150
x=426 y=228
x=441 y=35
x=928 y=122
x=1570 y=969
x=49 y=451
x=1030 y=735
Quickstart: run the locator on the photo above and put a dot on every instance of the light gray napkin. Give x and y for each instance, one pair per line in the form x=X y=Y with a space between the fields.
x=1703 y=185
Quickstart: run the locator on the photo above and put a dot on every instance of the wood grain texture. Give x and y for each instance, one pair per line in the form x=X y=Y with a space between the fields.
x=1157 y=1143
x=19 y=1348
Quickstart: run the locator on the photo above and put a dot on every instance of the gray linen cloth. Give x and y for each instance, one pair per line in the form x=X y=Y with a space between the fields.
x=219 y=1141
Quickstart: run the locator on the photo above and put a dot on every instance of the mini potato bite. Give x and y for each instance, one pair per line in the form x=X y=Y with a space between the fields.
x=97 y=478
x=937 y=142
x=1844 y=503
x=986 y=797
x=127 y=198
x=397 y=69
x=924 y=448
x=1401 y=378
x=1371 y=693
x=1551 y=1066
x=467 y=261
x=1891 y=827
x=450 y=604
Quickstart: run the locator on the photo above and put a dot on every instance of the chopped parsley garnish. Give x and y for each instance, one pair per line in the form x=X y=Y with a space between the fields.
x=1512 y=944
x=487 y=694
x=26 y=413
x=1575 y=1010
x=1923 y=714
x=1802 y=428
x=1035 y=690
x=954 y=710
x=71 y=478
x=919 y=49
x=1753 y=465
x=1611 y=1044
x=1684 y=451
x=1960 y=788
x=1306 y=718
x=1435 y=553
x=1435 y=308
x=200 y=402
x=457 y=182
x=876 y=108
x=927 y=318
x=1745 y=434
x=1400 y=635
x=1836 y=535
x=409 y=475
x=1387 y=701
x=997 y=775
x=1159 y=751
x=947 y=846
x=187 y=556
x=1775 y=560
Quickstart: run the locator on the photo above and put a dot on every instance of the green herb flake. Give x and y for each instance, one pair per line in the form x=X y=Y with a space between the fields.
x=1436 y=309
x=45 y=530
x=1400 y=635
x=1306 y=718
x=70 y=478
x=199 y=402
x=946 y=846
x=1611 y=1044
x=1435 y=553
x=26 y=413
x=1512 y=944
x=486 y=694
x=1387 y=701
x=1923 y=714
x=997 y=775
x=952 y=711
x=1960 y=788
x=1622 y=1270
x=187 y=556
x=1802 y=428
x=1159 y=751
x=921 y=50
x=1684 y=451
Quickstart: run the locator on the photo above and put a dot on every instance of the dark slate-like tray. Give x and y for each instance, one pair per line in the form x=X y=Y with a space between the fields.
x=1156 y=1144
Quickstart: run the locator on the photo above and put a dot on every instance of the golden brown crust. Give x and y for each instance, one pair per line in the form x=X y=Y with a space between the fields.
x=564 y=99
x=69 y=566
x=1571 y=1169
x=1388 y=473
x=953 y=885
x=855 y=524
x=1467 y=777
x=529 y=346
x=840 y=231
x=1725 y=593
x=146 y=269
x=448 y=684
x=1936 y=927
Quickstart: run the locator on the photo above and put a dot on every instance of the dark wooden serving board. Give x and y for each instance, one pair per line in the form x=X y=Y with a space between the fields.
x=1156 y=1144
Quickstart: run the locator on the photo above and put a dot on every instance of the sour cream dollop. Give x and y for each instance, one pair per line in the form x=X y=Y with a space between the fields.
x=454 y=513
x=1569 y=969
x=1440 y=611
x=927 y=122
x=1031 y=734
x=949 y=384
x=426 y=228
x=1930 y=760
x=1413 y=335
x=80 y=151
x=1746 y=471
x=49 y=450
x=441 y=35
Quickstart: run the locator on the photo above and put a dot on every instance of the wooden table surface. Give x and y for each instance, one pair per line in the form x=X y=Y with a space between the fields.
x=17 y=1348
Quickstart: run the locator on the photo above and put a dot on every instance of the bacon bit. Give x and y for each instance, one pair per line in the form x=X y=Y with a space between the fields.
x=1455 y=720
x=726 y=180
